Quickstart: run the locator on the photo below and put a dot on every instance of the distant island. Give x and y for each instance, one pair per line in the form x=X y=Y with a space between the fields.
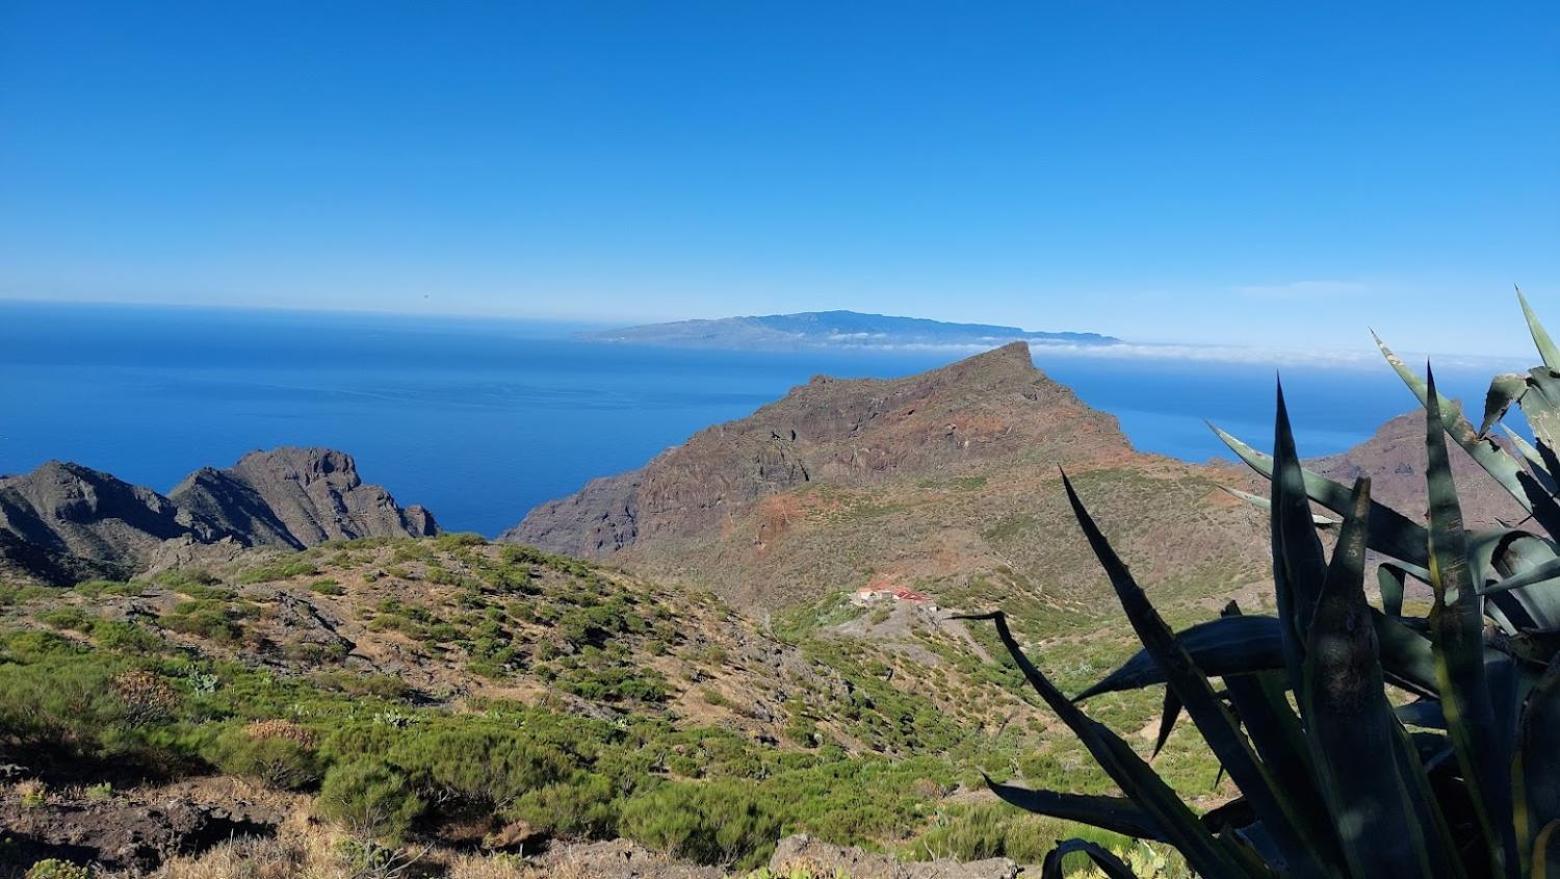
x=835 y=329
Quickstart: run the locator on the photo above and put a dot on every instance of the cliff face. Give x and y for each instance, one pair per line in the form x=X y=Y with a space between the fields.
x=298 y=497
x=1395 y=460
x=64 y=522
x=952 y=473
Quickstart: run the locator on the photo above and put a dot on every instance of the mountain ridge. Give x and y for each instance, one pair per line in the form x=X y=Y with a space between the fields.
x=64 y=522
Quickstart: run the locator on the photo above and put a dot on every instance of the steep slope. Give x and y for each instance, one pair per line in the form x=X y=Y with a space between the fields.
x=1394 y=459
x=63 y=522
x=939 y=478
x=298 y=497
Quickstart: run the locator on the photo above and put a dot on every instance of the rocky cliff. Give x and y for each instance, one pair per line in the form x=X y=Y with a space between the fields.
x=944 y=476
x=63 y=522
x=297 y=497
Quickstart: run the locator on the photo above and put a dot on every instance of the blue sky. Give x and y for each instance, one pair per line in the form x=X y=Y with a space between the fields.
x=1255 y=173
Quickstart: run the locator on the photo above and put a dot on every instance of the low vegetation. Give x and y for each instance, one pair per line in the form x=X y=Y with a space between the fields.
x=453 y=694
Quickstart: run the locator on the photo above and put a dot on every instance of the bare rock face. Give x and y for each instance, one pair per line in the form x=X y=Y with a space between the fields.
x=63 y=522
x=596 y=521
x=298 y=497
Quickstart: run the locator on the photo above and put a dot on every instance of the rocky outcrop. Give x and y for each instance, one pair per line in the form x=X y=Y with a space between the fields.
x=297 y=497
x=63 y=522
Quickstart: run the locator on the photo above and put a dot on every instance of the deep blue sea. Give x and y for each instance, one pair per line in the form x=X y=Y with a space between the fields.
x=481 y=419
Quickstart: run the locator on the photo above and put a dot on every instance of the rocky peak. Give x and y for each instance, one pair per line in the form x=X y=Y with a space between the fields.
x=64 y=521
x=296 y=496
x=832 y=431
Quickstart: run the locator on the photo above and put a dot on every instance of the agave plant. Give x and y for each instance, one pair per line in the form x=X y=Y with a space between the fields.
x=1363 y=742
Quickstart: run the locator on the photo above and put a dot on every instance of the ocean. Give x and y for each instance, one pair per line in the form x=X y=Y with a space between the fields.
x=481 y=419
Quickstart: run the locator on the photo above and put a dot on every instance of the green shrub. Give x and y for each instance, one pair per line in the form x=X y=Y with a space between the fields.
x=64 y=703
x=280 y=754
x=126 y=636
x=327 y=587
x=717 y=823
x=369 y=799
x=583 y=807
x=469 y=764
x=53 y=868
x=279 y=570
x=207 y=618
x=68 y=618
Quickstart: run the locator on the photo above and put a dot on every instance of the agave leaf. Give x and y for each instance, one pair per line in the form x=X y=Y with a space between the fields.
x=1457 y=639
x=1299 y=564
x=1423 y=713
x=1537 y=465
x=1116 y=814
x=1391 y=581
x=1541 y=405
x=1304 y=854
x=1237 y=645
x=1177 y=824
x=1317 y=519
x=1167 y=718
x=1505 y=389
x=1406 y=656
x=1261 y=703
x=1109 y=864
x=1225 y=646
x=1545 y=511
x=1490 y=456
x=1535 y=772
x=1349 y=723
x=1546 y=860
x=1546 y=346
x=1414 y=767
x=1532 y=607
x=1537 y=574
x=1391 y=533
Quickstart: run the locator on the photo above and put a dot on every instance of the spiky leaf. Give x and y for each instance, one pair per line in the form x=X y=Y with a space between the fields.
x=1305 y=851
x=1483 y=450
x=1546 y=346
x=1457 y=637
x=1176 y=822
x=1349 y=722
x=1391 y=532
x=1505 y=389
x=1116 y=814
